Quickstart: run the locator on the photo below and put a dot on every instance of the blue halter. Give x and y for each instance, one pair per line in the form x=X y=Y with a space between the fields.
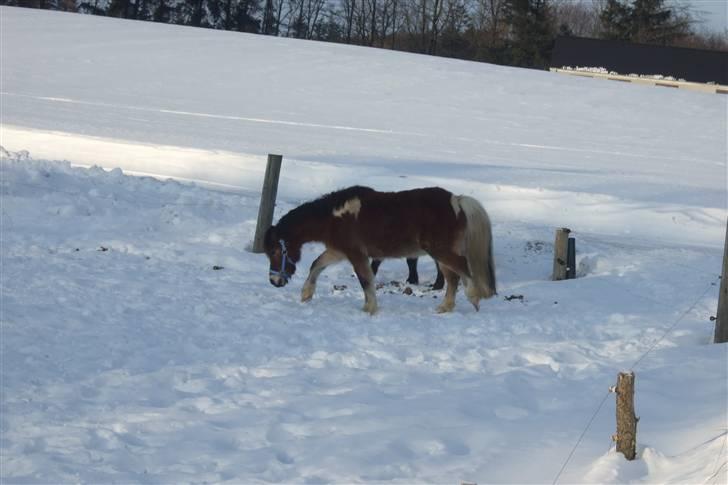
x=282 y=273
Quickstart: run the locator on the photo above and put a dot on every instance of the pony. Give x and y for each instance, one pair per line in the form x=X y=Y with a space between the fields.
x=358 y=223
x=414 y=277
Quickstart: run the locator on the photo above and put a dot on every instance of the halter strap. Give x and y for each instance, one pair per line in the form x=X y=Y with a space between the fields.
x=282 y=273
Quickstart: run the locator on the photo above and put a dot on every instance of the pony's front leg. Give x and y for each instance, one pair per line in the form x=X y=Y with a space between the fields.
x=327 y=258
x=366 y=279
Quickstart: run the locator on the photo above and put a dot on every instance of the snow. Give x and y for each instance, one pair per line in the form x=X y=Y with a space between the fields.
x=127 y=358
x=604 y=70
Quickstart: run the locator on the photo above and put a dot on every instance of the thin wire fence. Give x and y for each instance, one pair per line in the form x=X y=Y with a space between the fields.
x=632 y=367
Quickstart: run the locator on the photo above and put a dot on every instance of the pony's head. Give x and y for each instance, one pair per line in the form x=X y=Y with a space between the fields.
x=282 y=263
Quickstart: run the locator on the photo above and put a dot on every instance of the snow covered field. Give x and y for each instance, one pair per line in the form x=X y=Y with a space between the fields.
x=126 y=357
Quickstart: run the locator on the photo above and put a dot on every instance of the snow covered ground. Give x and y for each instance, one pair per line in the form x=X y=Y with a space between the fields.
x=126 y=357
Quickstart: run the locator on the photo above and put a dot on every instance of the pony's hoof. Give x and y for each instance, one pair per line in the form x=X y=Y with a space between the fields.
x=306 y=294
x=474 y=298
x=370 y=309
x=444 y=308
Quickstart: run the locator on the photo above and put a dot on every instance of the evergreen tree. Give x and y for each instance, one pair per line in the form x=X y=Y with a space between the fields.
x=246 y=16
x=162 y=12
x=647 y=21
x=119 y=8
x=654 y=22
x=616 y=20
x=531 y=32
x=91 y=7
x=198 y=12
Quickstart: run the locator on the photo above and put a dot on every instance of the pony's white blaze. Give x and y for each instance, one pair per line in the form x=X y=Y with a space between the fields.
x=351 y=206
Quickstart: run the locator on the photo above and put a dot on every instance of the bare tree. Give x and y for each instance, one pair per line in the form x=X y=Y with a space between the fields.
x=394 y=20
x=423 y=21
x=489 y=18
x=577 y=18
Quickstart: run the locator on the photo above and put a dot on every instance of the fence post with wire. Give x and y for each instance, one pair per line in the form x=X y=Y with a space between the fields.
x=631 y=431
x=626 y=437
x=564 y=255
x=721 y=318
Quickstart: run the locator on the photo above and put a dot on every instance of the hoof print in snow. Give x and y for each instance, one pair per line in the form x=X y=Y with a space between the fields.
x=514 y=297
x=535 y=246
x=103 y=249
x=217 y=268
x=340 y=287
x=394 y=287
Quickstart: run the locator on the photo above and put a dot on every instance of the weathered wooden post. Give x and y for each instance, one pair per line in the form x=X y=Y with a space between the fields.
x=561 y=250
x=626 y=436
x=721 y=318
x=267 y=200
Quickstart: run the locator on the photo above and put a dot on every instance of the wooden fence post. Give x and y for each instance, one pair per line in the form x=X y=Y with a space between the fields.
x=721 y=318
x=267 y=200
x=561 y=251
x=626 y=436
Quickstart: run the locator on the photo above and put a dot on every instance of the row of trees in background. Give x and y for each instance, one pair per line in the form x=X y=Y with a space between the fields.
x=513 y=32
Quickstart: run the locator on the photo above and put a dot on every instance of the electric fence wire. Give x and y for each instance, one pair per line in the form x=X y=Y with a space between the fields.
x=634 y=365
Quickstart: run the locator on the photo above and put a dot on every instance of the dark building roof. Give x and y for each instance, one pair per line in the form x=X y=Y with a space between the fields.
x=696 y=65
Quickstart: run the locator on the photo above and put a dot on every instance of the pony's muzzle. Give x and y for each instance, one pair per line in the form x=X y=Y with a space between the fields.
x=278 y=281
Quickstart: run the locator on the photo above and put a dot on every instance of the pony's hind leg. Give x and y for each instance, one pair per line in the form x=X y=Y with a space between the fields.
x=440 y=279
x=458 y=264
x=413 y=278
x=366 y=279
x=327 y=258
x=453 y=280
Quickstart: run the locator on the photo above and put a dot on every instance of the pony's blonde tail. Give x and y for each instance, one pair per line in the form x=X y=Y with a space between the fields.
x=478 y=250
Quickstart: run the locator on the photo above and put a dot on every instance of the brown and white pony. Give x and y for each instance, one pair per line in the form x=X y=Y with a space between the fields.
x=359 y=223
